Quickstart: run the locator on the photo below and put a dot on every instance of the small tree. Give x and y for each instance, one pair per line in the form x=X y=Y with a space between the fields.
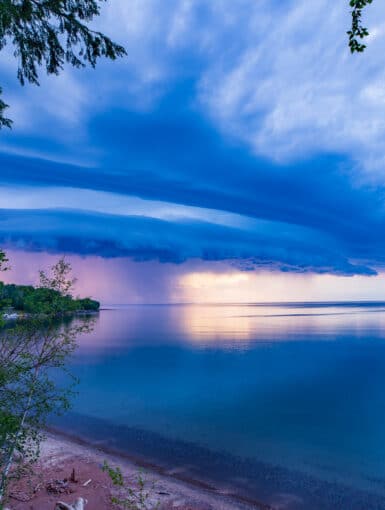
x=131 y=498
x=60 y=279
x=28 y=394
x=29 y=352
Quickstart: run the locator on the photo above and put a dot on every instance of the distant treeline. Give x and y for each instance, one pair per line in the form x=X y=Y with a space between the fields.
x=29 y=299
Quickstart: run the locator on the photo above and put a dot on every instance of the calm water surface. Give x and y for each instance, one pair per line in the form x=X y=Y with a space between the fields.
x=249 y=395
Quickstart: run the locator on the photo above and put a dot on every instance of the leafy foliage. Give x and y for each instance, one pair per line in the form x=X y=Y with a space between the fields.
x=30 y=351
x=49 y=33
x=4 y=121
x=53 y=296
x=131 y=498
x=31 y=300
x=358 y=31
x=60 y=278
x=3 y=259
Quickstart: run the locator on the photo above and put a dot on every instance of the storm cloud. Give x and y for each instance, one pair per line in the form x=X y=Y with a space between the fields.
x=208 y=131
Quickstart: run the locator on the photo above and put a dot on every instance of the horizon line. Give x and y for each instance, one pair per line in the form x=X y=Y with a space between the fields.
x=254 y=303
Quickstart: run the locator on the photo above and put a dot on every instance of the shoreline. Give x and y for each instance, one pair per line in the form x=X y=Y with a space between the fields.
x=61 y=453
x=17 y=315
x=243 y=483
x=176 y=475
x=172 y=487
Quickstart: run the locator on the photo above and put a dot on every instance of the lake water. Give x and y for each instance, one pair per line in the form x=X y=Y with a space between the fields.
x=283 y=403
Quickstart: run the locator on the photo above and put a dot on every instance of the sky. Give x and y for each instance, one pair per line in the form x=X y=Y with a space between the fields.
x=235 y=154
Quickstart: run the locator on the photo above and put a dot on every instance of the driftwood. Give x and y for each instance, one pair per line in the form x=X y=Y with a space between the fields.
x=79 y=504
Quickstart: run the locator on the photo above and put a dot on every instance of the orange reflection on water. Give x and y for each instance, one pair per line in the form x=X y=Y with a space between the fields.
x=250 y=323
x=231 y=326
x=216 y=323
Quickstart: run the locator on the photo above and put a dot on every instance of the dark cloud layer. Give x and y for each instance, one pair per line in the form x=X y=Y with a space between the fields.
x=319 y=219
x=143 y=238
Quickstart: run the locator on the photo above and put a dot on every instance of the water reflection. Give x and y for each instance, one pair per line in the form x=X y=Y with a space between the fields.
x=297 y=386
x=231 y=326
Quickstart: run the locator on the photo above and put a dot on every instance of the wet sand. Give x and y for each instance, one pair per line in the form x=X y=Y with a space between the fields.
x=176 y=486
x=51 y=482
x=247 y=481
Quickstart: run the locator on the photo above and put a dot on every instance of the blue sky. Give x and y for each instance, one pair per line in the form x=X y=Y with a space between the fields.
x=235 y=138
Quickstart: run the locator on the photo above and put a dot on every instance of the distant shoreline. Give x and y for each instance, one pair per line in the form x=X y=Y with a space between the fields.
x=13 y=316
x=303 y=304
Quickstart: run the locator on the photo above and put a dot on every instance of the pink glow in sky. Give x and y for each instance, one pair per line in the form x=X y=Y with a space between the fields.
x=121 y=280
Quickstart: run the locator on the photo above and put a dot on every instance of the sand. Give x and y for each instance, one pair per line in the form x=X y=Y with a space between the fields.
x=51 y=483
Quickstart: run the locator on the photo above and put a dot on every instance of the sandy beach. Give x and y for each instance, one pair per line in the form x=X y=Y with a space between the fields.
x=60 y=456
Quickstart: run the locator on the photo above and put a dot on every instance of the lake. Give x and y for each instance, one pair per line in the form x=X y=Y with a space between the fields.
x=280 y=403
